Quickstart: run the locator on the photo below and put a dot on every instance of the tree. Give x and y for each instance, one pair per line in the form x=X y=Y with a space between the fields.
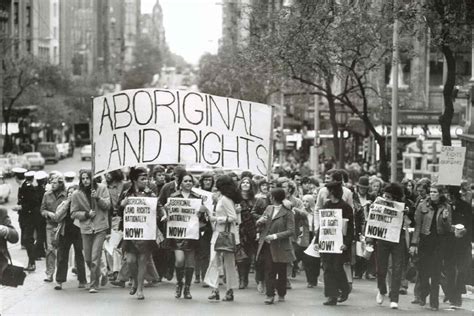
x=450 y=24
x=27 y=79
x=333 y=48
x=147 y=62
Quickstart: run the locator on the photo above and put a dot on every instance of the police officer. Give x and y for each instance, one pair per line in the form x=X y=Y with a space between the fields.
x=26 y=198
x=41 y=178
x=19 y=178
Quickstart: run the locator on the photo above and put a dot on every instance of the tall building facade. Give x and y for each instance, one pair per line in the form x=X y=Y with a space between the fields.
x=34 y=29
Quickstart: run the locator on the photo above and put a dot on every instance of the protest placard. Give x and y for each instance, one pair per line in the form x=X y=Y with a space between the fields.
x=139 y=218
x=385 y=220
x=330 y=231
x=183 y=221
x=451 y=163
x=206 y=197
x=159 y=126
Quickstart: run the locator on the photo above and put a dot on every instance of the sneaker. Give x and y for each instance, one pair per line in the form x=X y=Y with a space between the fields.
x=269 y=300
x=403 y=292
x=393 y=305
x=281 y=299
x=379 y=299
x=59 y=286
x=331 y=301
x=49 y=280
x=93 y=290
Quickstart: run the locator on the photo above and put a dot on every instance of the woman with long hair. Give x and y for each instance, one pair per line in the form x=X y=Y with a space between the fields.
x=137 y=252
x=247 y=230
x=90 y=205
x=430 y=239
x=69 y=234
x=225 y=214
x=185 y=249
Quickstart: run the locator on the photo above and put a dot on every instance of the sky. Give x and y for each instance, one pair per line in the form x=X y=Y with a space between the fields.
x=192 y=27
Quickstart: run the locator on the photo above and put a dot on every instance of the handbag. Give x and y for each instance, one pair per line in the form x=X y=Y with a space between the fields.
x=225 y=241
x=13 y=275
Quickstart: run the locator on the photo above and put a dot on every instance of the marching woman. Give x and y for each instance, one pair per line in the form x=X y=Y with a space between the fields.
x=247 y=229
x=430 y=239
x=138 y=252
x=69 y=234
x=275 y=246
x=387 y=249
x=90 y=205
x=336 y=285
x=225 y=215
x=185 y=249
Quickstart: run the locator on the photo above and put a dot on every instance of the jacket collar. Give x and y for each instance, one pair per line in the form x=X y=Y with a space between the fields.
x=281 y=212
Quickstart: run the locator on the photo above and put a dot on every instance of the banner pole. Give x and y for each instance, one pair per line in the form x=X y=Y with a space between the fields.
x=91 y=132
x=270 y=150
x=91 y=136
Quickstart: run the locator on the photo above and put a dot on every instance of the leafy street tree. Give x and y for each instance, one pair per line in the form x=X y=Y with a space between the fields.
x=450 y=24
x=23 y=78
x=336 y=49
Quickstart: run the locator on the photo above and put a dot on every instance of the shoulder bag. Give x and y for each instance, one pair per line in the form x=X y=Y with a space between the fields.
x=225 y=241
x=13 y=275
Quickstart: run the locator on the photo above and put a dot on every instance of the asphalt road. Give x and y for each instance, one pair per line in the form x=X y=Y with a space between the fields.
x=39 y=298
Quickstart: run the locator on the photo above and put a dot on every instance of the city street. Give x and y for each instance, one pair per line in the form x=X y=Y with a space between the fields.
x=39 y=298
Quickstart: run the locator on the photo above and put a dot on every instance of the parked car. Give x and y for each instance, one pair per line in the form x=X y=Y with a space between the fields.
x=5 y=190
x=5 y=167
x=86 y=152
x=35 y=160
x=18 y=161
x=49 y=151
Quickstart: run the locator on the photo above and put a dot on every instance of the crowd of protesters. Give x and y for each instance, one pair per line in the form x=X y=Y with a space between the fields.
x=273 y=224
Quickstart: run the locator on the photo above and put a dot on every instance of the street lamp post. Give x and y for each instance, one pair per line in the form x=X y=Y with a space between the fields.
x=341 y=118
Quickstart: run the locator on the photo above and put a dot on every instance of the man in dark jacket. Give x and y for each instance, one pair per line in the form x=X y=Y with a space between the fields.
x=28 y=213
x=7 y=233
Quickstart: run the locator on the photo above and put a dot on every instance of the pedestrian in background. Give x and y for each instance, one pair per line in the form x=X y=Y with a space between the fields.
x=90 y=205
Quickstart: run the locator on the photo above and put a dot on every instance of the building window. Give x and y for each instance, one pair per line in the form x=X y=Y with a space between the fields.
x=436 y=73
x=28 y=16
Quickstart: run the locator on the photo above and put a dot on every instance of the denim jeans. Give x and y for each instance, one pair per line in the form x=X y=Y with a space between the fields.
x=93 y=244
x=51 y=249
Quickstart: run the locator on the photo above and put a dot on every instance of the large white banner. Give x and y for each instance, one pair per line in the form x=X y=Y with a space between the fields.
x=451 y=163
x=183 y=220
x=385 y=220
x=139 y=218
x=159 y=126
x=330 y=231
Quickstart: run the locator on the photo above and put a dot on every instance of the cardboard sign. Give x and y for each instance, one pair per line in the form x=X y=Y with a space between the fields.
x=139 y=219
x=385 y=220
x=206 y=197
x=451 y=162
x=159 y=126
x=183 y=221
x=330 y=231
